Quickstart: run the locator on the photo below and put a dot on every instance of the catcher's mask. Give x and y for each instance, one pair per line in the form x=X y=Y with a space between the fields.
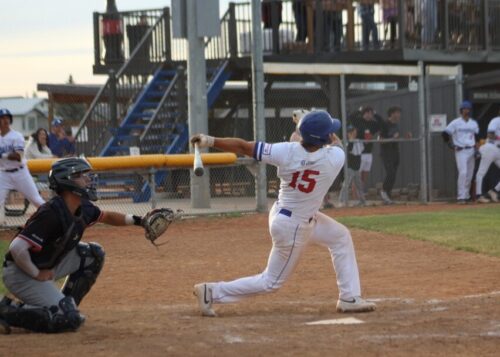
x=74 y=175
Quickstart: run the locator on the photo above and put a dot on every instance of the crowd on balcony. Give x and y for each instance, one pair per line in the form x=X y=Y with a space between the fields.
x=375 y=24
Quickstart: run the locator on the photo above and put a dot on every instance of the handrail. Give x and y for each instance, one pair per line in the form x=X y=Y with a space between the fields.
x=91 y=137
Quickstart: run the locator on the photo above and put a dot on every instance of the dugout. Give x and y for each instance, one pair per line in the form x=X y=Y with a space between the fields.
x=427 y=169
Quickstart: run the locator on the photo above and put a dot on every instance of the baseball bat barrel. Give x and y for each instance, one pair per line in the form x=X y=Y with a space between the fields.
x=197 y=163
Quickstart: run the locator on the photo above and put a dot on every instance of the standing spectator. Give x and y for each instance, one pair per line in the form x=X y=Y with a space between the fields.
x=271 y=8
x=389 y=152
x=354 y=150
x=461 y=135
x=300 y=15
x=390 y=17
x=60 y=143
x=38 y=147
x=369 y=27
x=367 y=127
x=14 y=174
x=490 y=153
x=429 y=21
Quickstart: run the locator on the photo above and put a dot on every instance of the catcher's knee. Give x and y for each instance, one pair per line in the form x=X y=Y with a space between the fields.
x=79 y=283
x=64 y=317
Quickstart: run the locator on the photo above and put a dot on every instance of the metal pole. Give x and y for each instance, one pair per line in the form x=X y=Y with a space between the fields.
x=459 y=91
x=423 y=149
x=197 y=102
x=152 y=184
x=343 y=111
x=428 y=141
x=258 y=103
x=112 y=99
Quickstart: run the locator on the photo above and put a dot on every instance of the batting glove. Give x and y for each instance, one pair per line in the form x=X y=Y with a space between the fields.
x=203 y=141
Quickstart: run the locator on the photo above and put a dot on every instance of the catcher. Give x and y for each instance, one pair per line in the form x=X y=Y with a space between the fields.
x=48 y=248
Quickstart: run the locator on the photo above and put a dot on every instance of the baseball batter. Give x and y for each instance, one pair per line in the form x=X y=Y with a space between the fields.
x=14 y=174
x=306 y=170
x=461 y=134
x=49 y=248
x=490 y=152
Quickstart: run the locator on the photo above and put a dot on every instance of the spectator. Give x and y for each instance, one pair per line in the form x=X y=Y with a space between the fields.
x=271 y=8
x=369 y=27
x=367 y=127
x=390 y=17
x=60 y=143
x=300 y=15
x=389 y=151
x=38 y=147
x=429 y=21
x=354 y=150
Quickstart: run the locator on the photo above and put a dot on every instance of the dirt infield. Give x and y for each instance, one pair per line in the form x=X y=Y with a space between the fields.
x=431 y=300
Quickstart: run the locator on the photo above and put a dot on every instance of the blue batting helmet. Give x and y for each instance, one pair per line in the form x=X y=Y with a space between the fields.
x=6 y=113
x=316 y=127
x=466 y=105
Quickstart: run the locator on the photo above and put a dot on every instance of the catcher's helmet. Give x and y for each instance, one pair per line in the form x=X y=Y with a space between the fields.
x=6 y=113
x=63 y=173
x=466 y=105
x=316 y=127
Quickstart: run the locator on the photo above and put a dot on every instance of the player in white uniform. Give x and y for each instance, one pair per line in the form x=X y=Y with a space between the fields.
x=297 y=115
x=490 y=152
x=306 y=169
x=14 y=174
x=463 y=132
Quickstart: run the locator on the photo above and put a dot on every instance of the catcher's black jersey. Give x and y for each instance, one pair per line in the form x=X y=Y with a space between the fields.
x=53 y=231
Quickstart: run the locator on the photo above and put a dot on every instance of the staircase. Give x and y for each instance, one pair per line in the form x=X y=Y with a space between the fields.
x=153 y=109
x=140 y=114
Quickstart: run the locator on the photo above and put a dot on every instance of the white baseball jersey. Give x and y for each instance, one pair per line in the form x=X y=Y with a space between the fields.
x=305 y=176
x=463 y=132
x=494 y=127
x=12 y=141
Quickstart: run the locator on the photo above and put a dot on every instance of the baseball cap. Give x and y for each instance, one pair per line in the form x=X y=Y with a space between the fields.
x=350 y=127
x=57 y=121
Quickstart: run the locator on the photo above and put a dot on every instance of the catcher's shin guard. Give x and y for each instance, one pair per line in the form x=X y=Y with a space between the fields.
x=66 y=317
x=78 y=284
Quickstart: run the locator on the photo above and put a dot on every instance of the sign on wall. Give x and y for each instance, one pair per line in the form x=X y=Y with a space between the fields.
x=437 y=122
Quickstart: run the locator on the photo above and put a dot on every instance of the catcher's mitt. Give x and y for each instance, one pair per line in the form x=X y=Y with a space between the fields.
x=156 y=222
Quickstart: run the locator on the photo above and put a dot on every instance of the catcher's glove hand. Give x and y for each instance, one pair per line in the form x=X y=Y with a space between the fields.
x=156 y=222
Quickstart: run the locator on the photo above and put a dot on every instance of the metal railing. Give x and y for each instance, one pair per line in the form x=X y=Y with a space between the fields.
x=113 y=100
x=115 y=45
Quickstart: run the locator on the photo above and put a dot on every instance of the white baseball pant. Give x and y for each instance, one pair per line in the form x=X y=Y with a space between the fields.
x=489 y=153
x=465 y=167
x=290 y=238
x=20 y=181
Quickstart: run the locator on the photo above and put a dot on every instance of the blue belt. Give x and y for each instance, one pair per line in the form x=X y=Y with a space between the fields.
x=285 y=212
x=288 y=213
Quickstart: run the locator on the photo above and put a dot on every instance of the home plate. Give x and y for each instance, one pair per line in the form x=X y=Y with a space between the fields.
x=344 y=321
